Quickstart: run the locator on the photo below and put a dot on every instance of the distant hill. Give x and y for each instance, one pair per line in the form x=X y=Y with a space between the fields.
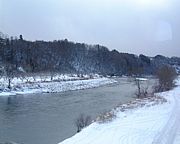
x=68 y=57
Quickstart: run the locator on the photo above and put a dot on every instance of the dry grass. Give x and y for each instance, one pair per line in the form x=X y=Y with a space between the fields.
x=106 y=117
x=137 y=103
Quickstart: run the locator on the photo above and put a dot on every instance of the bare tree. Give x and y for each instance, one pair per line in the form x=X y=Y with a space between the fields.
x=138 y=84
x=142 y=88
x=82 y=121
x=1 y=73
x=166 y=76
x=53 y=73
x=10 y=72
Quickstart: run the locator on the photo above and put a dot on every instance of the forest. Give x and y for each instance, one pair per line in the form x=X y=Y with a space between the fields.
x=64 y=56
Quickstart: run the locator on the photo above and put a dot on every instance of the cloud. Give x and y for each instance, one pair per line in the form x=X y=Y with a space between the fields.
x=127 y=25
x=164 y=31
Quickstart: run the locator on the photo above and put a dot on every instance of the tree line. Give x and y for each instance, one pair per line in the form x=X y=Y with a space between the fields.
x=64 y=56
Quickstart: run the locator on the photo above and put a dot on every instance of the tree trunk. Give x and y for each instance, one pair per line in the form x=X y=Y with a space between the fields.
x=9 y=83
x=139 y=88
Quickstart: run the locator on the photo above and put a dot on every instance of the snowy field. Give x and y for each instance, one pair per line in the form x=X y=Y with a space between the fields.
x=150 y=123
x=44 y=84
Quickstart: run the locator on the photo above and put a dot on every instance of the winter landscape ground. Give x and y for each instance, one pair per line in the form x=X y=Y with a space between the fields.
x=44 y=84
x=89 y=72
x=153 y=121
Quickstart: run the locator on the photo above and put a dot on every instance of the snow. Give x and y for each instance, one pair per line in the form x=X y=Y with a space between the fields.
x=75 y=85
x=142 y=79
x=44 y=84
x=176 y=130
x=150 y=124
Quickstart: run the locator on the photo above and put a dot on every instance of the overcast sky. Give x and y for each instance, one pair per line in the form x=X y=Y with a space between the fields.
x=149 y=27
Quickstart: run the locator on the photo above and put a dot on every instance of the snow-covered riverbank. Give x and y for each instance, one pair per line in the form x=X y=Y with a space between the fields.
x=59 y=84
x=150 y=124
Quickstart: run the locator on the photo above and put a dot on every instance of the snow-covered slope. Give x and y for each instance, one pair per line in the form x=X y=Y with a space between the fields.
x=146 y=125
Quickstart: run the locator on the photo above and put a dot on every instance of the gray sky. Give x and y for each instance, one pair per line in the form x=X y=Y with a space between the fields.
x=150 y=27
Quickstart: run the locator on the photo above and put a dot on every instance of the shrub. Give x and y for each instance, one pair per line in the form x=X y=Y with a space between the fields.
x=166 y=76
x=82 y=121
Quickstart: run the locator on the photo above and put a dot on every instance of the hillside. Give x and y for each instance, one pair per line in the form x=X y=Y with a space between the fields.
x=68 y=57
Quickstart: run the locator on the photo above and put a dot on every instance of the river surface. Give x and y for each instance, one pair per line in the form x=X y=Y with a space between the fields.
x=49 y=118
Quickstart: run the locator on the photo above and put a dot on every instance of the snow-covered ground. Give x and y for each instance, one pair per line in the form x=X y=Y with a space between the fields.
x=142 y=79
x=149 y=124
x=43 y=84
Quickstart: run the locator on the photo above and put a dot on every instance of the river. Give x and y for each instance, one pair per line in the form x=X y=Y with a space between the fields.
x=49 y=118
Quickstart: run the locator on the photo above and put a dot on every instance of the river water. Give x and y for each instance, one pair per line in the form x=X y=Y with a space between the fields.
x=49 y=118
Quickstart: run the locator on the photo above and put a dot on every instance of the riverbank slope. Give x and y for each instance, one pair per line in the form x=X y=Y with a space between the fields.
x=149 y=124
